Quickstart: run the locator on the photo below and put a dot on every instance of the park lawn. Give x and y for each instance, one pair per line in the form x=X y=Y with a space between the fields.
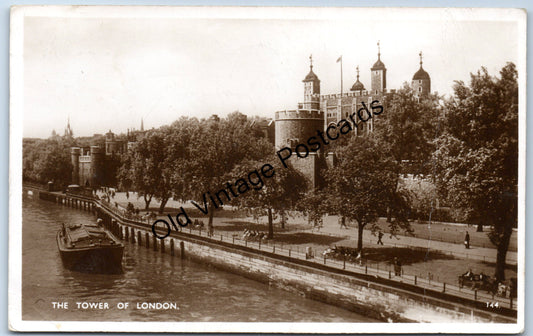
x=439 y=266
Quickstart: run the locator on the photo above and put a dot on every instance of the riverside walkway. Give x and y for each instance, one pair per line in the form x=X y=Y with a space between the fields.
x=458 y=250
x=378 y=271
x=428 y=280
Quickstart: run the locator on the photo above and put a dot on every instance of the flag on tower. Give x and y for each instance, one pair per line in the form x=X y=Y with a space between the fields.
x=339 y=59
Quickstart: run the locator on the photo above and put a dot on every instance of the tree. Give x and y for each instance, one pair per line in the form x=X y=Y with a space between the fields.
x=183 y=136
x=407 y=129
x=279 y=194
x=313 y=205
x=48 y=160
x=478 y=154
x=146 y=169
x=363 y=183
x=217 y=147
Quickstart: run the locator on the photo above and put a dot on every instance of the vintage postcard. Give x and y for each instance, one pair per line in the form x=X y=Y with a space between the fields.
x=248 y=169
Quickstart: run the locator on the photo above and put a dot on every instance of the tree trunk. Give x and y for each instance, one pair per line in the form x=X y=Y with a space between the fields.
x=360 y=228
x=270 y=225
x=211 y=215
x=163 y=204
x=391 y=205
x=147 y=201
x=480 y=226
x=282 y=214
x=503 y=246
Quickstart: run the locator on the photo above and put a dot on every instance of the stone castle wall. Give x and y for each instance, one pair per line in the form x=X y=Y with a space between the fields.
x=293 y=127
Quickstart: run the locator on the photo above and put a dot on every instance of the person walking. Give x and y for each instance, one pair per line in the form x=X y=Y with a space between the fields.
x=342 y=221
x=467 y=240
x=380 y=235
x=397 y=267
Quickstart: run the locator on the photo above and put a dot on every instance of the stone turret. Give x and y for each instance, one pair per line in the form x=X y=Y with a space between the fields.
x=296 y=126
x=379 y=76
x=311 y=89
x=421 y=82
x=75 y=153
x=357 y=86
x=97 y=166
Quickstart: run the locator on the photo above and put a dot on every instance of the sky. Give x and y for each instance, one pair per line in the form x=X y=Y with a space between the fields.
x=106 y=72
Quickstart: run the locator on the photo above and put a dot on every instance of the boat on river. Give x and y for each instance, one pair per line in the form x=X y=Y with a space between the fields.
x=89 y=249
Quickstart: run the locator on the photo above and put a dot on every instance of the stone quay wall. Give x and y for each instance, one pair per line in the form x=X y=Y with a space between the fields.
x=380 y=298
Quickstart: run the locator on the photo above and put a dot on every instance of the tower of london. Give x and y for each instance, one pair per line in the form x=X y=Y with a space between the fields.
x=318 y=111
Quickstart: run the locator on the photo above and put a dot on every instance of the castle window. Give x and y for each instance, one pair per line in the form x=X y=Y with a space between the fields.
x=419 y=89
x=419 y=81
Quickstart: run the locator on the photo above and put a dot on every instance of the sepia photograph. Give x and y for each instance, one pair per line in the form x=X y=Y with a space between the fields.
x=267 y=169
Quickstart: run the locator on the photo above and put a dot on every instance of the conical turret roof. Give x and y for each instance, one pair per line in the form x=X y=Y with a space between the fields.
x=311 y=76
x=421 y=73
x=357 y=86
x=378 y=65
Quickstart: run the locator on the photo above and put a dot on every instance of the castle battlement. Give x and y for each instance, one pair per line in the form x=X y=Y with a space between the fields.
x=299 y=114
x=362 y=93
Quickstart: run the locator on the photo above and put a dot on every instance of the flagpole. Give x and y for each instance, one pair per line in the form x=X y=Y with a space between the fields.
x=341 y=76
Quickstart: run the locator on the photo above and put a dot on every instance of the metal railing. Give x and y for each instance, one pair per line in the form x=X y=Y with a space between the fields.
x=381 y=270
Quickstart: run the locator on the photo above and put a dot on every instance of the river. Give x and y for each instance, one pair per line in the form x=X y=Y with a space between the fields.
x=200 y=292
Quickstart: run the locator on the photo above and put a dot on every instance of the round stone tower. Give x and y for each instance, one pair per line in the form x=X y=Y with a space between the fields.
x=75 y=153
x=296 y=126
x=421 y=82
x=97 y=166
x=293 y=127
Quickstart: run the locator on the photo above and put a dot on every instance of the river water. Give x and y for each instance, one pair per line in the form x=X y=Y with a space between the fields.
x=200 y=292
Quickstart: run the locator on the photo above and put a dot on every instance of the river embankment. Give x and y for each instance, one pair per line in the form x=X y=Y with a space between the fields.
x=354 y=288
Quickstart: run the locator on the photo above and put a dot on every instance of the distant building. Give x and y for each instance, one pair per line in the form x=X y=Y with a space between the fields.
x=267 y=128
x=113 y=146
x=95 y=166
x=68 y=131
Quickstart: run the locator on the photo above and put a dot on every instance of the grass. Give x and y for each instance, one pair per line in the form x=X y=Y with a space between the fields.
x=307 y=238
x=407 y=255
x=416 y=261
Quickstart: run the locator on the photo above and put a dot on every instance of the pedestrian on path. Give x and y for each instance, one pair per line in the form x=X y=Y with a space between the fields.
x=342 y=220
x=467 y=240
x=397 y=267
x=380 y=235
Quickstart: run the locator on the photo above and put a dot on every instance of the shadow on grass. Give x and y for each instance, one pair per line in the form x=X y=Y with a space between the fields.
x=194 y=213
x=306 y=238
x=239 y=226
x=407 y=255
x=507 y=266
